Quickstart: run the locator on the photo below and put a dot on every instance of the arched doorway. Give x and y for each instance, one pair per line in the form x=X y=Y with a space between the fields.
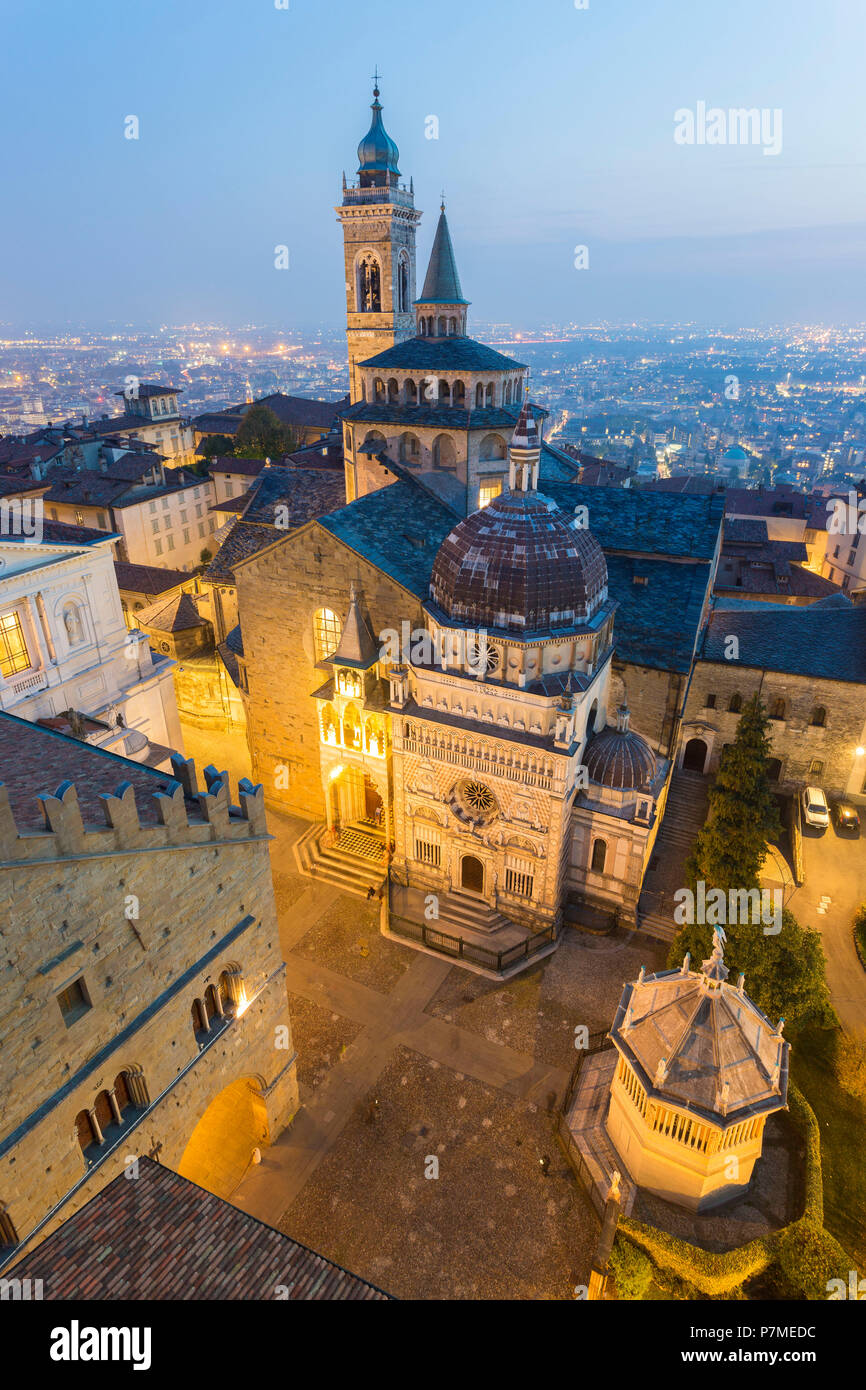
x=774 y=769
x=472 y=874
x=695 y=755
x=219 y=1148
x=356 y=801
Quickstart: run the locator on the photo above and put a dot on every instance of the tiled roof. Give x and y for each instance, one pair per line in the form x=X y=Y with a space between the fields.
x=444 y=354
x=146 y=579
x=61 y=533
x=825 y=640
x=657 y=621
x=215 y=422
x=298 y=410
x=161 y=1237
x=398 y=529
x=35 y=761
x=178 y=614
x=306 y=493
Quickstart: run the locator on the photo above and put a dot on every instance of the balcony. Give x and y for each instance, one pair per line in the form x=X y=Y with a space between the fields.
x=20 y=687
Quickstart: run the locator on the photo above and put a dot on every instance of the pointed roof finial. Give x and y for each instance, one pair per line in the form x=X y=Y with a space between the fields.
x=442 y=204
x=376 y=79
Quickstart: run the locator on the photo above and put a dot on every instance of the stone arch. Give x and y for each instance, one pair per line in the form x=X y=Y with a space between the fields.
x=443 y=392
x=442 y=326
x=220 y=1147
x=695 y=754
x=819 y=717
x=375 y=439
x=378 y=390
x=368 y=283
x=479 y=396
x=599 y=855
x=458 y=395
x=507 y=396
x=351 y=727
x=444 y=452
x=410 y=391
x=393 y=391
x=410 y=449
x=493 y=446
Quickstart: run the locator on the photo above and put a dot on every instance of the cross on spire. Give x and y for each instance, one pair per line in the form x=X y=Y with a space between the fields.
x=442 y=205
x=376 y=76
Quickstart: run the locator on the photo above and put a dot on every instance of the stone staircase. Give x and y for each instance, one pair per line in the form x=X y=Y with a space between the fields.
x=468 y=914
x=345 y=868
x=686 y=813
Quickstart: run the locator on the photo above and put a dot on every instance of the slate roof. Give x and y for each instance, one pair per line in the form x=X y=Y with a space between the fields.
x=64 y=533
x=146 y=390
x=398 y=529
x=657 y=622
x=435 y=416
x=825 y=640
x=629 y=519
x=299 y=410
x=230 y=650
x=442 y=282
x=247 y=468
x=443 y=354
x=146 y=579
x=164 y=1238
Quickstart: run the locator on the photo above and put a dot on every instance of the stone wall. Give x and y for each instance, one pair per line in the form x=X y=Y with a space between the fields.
x=145 y=916
x=279 y=593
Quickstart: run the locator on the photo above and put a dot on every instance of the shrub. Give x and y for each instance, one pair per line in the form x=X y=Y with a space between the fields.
x=808 y=1258
x=631 y=1269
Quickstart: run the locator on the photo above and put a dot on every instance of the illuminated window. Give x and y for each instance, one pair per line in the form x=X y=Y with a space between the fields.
x=14 y=656
x=326 y=632
x=487 y=492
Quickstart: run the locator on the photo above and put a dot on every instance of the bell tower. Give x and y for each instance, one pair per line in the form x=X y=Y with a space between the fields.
x=379 y=221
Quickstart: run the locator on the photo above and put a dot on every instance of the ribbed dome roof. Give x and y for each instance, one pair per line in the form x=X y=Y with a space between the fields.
x=618 y=757
x=377 y=152
x=519 y=565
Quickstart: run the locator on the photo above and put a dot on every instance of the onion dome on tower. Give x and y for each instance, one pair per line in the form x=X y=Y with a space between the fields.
x=377 y=153
x=519 y=565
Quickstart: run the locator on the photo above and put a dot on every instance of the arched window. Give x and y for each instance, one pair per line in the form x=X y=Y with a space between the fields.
x=200 y=1026
x=599 y=855
x=374 y=443
x=326 y=633
x=102 y=1110
x=490 y=395
x=213 y=1003
x=351 y=728
x=452 y=327
x=231 y=989
x=458 y=395
x=819 y=717
x=508 y=393
x=444 y=393
x=735 y=704
x=410 y=449
x=393 y=392
x=493 y=447
x=410 y=392
x=444 y=452
x=778 y=710
x=403 y=286
x=442 y=327
x=479 y=396
x=379 y=389
x=369 y=287
x=85 y=1131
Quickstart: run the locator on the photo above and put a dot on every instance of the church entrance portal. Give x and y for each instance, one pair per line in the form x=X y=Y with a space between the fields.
x=355 y=801
x=472 y=874
x=695 y=756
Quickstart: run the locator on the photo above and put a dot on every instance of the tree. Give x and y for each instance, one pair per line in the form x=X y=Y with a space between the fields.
x=730 y=849
x=784 y=968
x=262 y=435
x=216 y=446
x=206 y=556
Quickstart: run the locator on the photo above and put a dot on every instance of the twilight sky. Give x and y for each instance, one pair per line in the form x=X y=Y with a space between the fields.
x=556 y=130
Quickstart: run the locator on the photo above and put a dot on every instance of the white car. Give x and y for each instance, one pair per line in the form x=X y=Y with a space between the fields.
x=815 y=809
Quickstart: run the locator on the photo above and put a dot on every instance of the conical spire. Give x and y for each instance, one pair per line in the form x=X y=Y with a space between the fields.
x=524 y=453
x=442 y=285
x=357 y=643
x=525 y=434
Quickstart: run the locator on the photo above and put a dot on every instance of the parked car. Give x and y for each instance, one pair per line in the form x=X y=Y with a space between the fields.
x=846 y=816
x=815 y=809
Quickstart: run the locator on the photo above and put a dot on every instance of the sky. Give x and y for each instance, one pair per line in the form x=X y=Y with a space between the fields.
x=556 y=130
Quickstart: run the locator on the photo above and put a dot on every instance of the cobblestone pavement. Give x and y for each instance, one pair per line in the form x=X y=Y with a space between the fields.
x=404 y=1059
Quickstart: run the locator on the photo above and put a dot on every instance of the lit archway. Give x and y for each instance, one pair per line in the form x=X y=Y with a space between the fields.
x=220 y=1147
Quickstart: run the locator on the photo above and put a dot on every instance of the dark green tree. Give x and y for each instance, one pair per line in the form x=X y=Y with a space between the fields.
x=216 y=446
x=730 y=849
x=262 y=435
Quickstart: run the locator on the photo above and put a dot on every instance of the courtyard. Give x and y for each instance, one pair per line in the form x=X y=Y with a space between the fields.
x=423 y=1155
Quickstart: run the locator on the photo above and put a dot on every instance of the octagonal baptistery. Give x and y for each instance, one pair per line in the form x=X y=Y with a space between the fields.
x=519 y=566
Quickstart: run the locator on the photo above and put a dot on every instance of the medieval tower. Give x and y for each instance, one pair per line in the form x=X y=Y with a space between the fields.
x=379 y=222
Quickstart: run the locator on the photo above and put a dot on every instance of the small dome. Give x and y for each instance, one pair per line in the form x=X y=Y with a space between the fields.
x=735 y=452
x=377 y=152
x=618 y=757
x=519 y=565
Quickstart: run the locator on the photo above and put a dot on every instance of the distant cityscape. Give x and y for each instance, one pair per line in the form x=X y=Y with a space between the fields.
x=784 y=405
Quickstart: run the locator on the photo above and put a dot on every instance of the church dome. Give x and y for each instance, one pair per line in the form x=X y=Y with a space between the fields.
x=620 y=758
x=377 y=153
x=518 y=565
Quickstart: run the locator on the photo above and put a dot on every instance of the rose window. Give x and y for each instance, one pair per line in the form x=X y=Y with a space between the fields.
x=480 y=653
x=475 y=802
